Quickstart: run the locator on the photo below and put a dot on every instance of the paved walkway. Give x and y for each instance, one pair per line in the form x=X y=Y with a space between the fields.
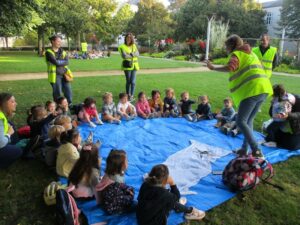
x=31 y=76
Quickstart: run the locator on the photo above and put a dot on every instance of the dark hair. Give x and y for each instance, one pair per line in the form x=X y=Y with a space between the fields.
x=233 y=42
x=85 y=164
x=89 y=101
x=141 y=94
x=227 y=100
x=48 y=103
x=59 y=100
x=264 y=35
x=158 y=175
x=278 y=91
x=4 y=97
x=131 y=38
x=115 y=162
x=54 y=37
x=154 y=92
x=122 y=95
x=69 y=135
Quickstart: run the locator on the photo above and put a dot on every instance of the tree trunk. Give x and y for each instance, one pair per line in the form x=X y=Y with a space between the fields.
x=43 y=42
x=6 y=42
x=68 y=41
x=40 y=42
x=78 y=41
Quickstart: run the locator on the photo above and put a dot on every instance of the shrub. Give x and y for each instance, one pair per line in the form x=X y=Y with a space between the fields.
x=218 y=53
x=169 y=54
x=180 y=58
x=286 y=60
x=158 y=55
x=221 y=61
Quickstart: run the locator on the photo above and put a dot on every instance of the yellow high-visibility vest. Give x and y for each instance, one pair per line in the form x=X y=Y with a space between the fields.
x=129 y=49
x=5 y=122
x=266 y=59
x=250 y=79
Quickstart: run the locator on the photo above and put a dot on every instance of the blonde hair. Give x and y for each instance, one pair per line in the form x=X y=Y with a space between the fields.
x=55 y=132
x=106 y=95
x=233 y=42
x=171 y=90
x=227 y=100
x=201 y=97
x=183 y=93
x=62 y=119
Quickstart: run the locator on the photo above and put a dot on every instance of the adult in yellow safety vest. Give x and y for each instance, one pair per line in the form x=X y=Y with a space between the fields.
x=130 y=65
x=266 y=54
x=249 y=87
x=8 y=151
x=57 y=61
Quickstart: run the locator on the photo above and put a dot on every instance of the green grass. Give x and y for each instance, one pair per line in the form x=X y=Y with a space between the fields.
x=21 y=185
x=287 y=69
x=26 y=62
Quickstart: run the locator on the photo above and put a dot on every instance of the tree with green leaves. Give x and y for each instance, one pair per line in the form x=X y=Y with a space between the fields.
x=290 y=19
x=121 y=19
x=151 y=22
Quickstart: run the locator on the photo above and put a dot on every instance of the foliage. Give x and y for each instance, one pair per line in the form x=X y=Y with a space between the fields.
x=286 y=59
x=284 y=68
x=219 y=32
x=151 y=22
x=245 y=17
x=290 y=18
x=175 y=5
x=180 y=58
x=30 y=39
x=218 y=53
x=169 y=54
x=220 y=61
x=121 y=19
x=158 y=55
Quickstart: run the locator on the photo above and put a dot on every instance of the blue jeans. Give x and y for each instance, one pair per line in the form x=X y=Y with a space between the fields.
x=130 y=81
x=246 y=113
x=62 y=87
x=9 y=154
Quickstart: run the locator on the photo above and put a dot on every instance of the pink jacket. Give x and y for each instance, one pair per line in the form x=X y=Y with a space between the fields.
x=143 y=107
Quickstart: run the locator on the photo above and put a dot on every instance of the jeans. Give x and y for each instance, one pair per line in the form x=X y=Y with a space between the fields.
x=246 y=113
x=130 y=81
x=62 y=87
x=9 y=154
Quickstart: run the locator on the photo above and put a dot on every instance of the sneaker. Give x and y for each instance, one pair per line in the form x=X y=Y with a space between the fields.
x=92 y=125
x=271 y=144
x=225 y=130
x=131 y=98
x=117 y=122
x=99 y=122
x=258 y=154
x=241 y=152
x=196 y=214
x=183 y=200
x=234 y=132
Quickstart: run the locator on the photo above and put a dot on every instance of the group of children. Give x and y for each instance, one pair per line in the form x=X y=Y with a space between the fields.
x=55 y=139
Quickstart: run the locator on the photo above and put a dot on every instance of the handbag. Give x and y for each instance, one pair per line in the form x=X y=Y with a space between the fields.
x=68 y=75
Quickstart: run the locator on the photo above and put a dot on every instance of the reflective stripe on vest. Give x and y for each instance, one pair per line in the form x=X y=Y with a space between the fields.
x=51 y=68
x=249 y=80
x=266 y=59
x=129 y=49
x=5 y=122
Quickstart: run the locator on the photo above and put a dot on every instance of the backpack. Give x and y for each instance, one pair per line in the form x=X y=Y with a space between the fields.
x=67 y=212
x=244 y=173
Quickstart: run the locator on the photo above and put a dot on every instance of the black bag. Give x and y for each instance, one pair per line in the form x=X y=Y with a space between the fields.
x=127 y=64
x=67 y=212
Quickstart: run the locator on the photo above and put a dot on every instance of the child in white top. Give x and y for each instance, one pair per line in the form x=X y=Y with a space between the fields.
x=124 y=108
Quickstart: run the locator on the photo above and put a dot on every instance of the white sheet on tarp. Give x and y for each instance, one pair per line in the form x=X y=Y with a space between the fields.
x=189 y=165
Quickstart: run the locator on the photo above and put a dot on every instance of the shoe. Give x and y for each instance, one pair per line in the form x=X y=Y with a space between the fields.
x=92 y=124
x=145 y=176
x=241 y=152
x=131 y=99
x=271 y=144
x=258 y=154
x=234 y=132
x=117 y=122
x=183 y=200
x=196 y=214
x=99 y=122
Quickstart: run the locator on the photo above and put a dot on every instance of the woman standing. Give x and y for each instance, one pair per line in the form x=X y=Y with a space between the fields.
x=57 y=61
x=249 y=86
x=130 y=65
x=8 y=152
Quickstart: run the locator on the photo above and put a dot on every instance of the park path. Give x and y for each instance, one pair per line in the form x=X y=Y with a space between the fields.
x=34 y=76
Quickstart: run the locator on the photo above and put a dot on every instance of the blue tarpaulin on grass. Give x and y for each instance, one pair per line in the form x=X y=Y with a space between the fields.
x=150 y=142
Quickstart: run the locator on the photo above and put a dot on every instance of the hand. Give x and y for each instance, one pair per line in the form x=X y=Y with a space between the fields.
x=11 y=130
x=281 y=116
x=170 y=181
x=209 y=65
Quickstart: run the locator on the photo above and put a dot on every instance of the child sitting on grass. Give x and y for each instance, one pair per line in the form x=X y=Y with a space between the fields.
x=125 y=109
x=85 y=174
x=68 y=153
x=89 y=112
x=50 y=107
x=227 y=113
x=155 y=202
x=142 y=107
x=156 y=104
x=186 y=107
x=203 y=111
x=112 y=193
x=170 y=105
x=109 y=110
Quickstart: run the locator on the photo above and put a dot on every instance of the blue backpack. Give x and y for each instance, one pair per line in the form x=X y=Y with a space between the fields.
x=67 y=212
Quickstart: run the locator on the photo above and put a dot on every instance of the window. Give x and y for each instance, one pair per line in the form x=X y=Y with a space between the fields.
x=268 y=18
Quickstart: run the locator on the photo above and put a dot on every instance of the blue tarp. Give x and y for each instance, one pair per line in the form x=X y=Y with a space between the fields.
x=150 y=142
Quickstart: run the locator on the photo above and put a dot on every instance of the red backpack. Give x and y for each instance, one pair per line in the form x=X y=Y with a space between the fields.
x=244 y=173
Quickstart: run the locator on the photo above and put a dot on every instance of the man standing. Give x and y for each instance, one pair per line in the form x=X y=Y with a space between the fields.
x=266 y=54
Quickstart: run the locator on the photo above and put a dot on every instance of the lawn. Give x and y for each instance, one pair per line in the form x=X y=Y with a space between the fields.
x=21 y=185
x=27 y=62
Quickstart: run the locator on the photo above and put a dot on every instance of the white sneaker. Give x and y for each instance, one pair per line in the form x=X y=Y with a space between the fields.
x=99 y=122
x=271 y=144
x=92 y=125
x=183 y=200
x=196 y=214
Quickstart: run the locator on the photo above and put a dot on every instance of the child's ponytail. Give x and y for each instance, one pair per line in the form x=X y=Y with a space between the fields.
x=158 y=175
